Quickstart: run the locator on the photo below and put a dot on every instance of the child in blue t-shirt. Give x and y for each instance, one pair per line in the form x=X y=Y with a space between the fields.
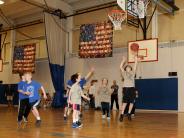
x=33 y=87
x=24 y=108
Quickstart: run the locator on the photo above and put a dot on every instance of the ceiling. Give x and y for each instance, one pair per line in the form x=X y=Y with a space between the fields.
x=81 y=4
x=18 y=8
x=13 y=10
x=20 y=11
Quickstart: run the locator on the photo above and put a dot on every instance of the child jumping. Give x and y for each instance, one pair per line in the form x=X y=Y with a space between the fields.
x=129 y=94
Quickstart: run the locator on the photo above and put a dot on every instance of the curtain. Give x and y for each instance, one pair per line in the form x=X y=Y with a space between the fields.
x=56 y=42
x=3 y=99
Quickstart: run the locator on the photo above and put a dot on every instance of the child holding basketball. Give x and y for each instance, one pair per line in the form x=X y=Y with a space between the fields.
x=129 y=94
x=33 y=87
x=75 y=99
x=105 y=98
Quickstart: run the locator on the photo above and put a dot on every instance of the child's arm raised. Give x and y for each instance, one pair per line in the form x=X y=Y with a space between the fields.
x=89 y=74
x=135 y=65
x=122 y=64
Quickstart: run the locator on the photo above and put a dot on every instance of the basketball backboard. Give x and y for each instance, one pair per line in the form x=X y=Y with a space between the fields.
x=148 y=50
x=122 y=4
x=131 y=7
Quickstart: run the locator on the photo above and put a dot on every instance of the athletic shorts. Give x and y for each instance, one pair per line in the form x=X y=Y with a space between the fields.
x=76 y=107
x=35 y=103
x=129 y=95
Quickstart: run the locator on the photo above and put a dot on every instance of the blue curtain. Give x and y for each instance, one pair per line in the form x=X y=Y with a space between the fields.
x=57 y=74
x=56 y=43
x=13 y=89
x=2 y=94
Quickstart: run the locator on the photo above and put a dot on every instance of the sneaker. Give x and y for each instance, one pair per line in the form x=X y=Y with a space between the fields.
x=38 y=122
x=121 y=118
x=108 y=118
x=79 y=124
x=103 y=116
x=80 y=115
x=65 y=118
x=129 y=117
x=74 y=125
x=19 y=123
x=25 y=119
x=133 y=115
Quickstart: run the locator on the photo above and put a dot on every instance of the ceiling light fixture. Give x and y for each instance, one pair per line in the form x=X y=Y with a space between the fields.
x=1 y=1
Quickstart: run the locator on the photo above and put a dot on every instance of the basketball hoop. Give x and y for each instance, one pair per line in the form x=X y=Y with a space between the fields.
x=141 y=57
x=141 y=8
x=117 y=17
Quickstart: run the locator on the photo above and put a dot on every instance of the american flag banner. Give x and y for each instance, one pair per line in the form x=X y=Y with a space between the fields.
x=96 y=40
x=24 y=58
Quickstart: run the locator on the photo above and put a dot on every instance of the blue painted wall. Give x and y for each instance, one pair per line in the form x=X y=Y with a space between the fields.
x=157 y=94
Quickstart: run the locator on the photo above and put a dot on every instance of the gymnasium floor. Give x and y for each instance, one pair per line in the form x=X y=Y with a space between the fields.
x=145 y=125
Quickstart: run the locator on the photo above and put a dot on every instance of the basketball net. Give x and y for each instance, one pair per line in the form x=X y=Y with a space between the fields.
x=140 y=57
x=141 y=8
x=117 y=17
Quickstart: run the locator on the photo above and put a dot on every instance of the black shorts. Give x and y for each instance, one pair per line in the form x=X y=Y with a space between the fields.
x=129 y=95
x=35 y=103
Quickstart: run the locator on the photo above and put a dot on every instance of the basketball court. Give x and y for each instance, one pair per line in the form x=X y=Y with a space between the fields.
x=60 y=44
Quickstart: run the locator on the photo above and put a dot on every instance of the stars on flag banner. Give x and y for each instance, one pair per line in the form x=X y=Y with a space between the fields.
x=24 y=58
x=96 y=40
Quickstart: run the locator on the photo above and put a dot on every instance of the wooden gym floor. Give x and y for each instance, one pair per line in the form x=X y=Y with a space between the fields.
x=145 y=125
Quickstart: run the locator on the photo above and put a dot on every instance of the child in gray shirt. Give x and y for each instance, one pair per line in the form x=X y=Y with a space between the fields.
x=75 y=99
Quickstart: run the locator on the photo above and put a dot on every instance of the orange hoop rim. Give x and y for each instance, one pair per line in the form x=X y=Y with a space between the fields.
x=117 y=11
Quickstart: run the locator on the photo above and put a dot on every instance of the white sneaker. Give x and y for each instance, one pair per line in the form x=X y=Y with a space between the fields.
x=25 y=119
x=103 y=116
x=108 y=118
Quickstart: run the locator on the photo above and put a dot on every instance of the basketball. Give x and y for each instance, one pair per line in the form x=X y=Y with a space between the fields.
x=134 y=47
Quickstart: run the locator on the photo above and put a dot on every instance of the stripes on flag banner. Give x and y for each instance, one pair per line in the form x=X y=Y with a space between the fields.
x=24 y=58
x=96 y=40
